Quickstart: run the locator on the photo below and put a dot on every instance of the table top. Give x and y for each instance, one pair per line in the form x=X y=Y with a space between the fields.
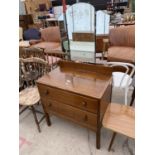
x=85 y=79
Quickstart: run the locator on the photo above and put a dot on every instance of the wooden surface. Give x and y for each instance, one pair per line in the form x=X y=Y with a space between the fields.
x=76 y=77
x=121 y=119
x=83 y=36
x=25 y=21
x=100 y=44
x=77 y=92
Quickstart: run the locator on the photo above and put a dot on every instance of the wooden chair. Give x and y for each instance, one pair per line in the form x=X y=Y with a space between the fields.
x=120 y=119
x=30 y=70
x=31 y=52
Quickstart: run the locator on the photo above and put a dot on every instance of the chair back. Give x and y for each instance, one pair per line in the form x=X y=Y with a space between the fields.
x=32 y=68
x=122 y=75
x=122 y=36
x=31 y=52
x=51 y=34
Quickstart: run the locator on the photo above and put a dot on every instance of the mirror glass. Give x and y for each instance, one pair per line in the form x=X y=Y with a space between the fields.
x=102 y=23
x=80 y=19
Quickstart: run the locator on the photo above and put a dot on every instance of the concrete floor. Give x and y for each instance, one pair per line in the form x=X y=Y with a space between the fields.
x=66 y=138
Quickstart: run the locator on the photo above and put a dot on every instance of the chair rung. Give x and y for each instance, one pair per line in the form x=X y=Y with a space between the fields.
x=41 y=119
x=22 y=110
x=37 y=111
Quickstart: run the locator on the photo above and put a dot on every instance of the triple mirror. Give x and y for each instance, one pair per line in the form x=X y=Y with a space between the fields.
x=83 y=25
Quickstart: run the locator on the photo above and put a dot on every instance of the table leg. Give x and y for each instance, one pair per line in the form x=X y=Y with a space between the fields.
x=47 y=116
x=98 y=135
x=48 y=119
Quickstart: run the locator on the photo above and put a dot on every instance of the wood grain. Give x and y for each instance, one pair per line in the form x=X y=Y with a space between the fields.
x=76 y=92
x=81 y=117
x=83 y=36
x=121 y=119
x=84 y=79
x=65 y=97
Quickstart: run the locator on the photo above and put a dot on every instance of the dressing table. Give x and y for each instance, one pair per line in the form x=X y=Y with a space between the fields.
x=78 y=92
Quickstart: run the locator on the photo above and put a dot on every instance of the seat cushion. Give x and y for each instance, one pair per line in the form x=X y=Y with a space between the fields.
x=29 y=96
x=121 y=54
x=47 y=46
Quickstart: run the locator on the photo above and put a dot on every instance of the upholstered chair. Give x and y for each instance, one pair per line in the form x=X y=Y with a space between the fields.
x=122 y=44
x=50 y=39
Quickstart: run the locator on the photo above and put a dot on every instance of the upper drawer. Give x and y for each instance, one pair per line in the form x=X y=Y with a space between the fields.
x=75 y=100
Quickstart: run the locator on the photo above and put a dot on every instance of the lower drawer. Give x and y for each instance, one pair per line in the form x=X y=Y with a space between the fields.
x=79 y=116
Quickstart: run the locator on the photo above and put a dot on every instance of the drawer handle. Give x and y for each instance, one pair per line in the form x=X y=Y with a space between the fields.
x=84 y=103
x=85 y=118
x=50 y=104
x=46 y=92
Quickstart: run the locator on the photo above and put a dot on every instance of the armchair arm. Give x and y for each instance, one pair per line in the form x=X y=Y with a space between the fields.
x=33 y=42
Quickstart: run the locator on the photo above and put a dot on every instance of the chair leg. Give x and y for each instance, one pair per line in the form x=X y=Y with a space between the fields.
x=22 y=110
x=35 y=118
x=112 y=140
x=133 y=97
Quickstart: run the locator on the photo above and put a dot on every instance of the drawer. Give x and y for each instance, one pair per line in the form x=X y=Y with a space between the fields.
x=71 y=113
x=84 y=103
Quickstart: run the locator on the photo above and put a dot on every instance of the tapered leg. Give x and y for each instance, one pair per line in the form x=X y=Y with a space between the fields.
x=35 y=118
x=47 y=116
x=48 y=119
x=112 y=140
x=133 y=97
x=22 y=110
x=98 y=133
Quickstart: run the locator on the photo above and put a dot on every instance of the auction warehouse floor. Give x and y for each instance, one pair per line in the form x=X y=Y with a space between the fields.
x=66 y=138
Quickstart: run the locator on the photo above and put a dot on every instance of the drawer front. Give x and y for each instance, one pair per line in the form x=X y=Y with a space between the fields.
x=65 y=97
x=72 y=113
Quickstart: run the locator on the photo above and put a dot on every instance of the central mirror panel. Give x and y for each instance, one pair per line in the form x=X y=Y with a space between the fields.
x=80 y=19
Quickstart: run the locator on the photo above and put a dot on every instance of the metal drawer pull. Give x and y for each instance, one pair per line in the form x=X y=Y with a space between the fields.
x=84 y=103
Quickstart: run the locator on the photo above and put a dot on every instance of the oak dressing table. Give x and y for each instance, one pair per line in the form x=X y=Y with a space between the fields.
x=78 y=92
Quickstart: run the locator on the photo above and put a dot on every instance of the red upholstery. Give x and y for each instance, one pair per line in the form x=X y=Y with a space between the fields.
x=122 y=44
x=51 y=34
x=48 y=45
x=50 y=39
x=121 y=54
